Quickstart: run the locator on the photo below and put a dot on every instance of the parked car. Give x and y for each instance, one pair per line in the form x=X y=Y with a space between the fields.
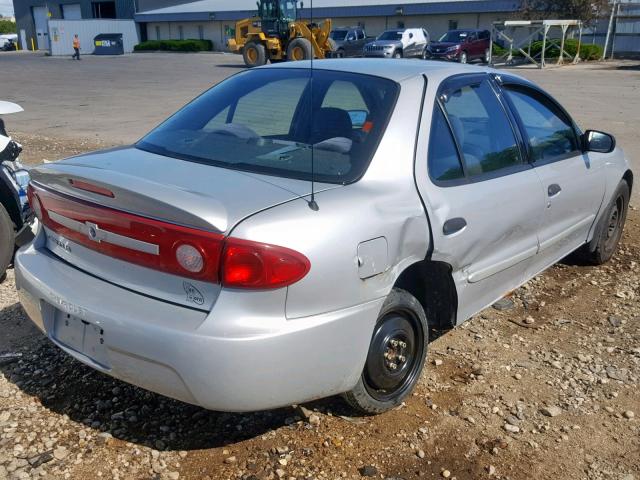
x=462 y=46
x=249 y=253
x=15 y=214
x=399 y=43
x=8 y=42
x=349 y=42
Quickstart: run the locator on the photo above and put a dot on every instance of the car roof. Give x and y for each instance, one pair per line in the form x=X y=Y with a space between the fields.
x=393 y=69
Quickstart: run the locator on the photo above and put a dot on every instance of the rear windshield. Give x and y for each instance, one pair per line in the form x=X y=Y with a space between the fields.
x=276 y=121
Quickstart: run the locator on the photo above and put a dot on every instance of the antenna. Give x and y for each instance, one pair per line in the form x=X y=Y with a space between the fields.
x=312 y=203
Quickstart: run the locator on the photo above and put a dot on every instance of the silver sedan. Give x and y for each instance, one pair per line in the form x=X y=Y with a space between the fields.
x=293 y=233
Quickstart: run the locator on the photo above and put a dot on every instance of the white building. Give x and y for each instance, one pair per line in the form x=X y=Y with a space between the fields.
x=215 y=19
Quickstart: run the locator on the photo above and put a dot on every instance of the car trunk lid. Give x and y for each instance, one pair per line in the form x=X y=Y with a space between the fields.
x=113 y=214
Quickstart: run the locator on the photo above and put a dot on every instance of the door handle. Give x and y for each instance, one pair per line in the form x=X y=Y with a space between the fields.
x=553 y=190
x=454 y=225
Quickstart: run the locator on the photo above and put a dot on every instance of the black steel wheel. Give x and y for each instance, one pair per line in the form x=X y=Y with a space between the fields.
x=396 y=355
x=602 y=248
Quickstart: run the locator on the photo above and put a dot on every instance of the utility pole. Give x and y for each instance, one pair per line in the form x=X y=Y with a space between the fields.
x=606 y=41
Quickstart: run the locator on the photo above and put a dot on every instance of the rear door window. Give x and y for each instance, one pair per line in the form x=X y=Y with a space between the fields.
x=482 y=129
x=444 y=162
x=550 y=133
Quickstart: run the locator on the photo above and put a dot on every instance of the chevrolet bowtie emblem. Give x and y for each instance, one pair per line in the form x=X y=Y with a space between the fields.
x=93 y=232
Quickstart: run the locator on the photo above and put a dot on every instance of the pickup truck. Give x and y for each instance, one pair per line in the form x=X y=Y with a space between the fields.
x=349 y=41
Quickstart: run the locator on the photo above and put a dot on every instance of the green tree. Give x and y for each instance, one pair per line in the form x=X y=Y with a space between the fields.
x=585 y=10
x=7 y=26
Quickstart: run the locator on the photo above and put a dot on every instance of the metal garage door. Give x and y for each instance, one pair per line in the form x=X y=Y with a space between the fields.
x=71 y=11
x=41 y=21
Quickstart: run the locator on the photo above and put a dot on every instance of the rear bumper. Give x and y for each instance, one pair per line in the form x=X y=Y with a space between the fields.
x=240 y=357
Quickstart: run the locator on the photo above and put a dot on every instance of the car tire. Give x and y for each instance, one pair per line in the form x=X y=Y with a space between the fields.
x=254 y=54
x=395 y=358
x=299 y=49
x=340 y=53
x=487 y=56
x=463 y=57
x=610 y=231
x=397 y=54
x=425 y=54
x=7 y=240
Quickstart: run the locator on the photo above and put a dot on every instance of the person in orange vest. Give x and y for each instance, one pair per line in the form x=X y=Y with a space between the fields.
x=76 y=47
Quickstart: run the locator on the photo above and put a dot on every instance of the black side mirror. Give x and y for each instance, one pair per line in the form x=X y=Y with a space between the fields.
x=595 y=141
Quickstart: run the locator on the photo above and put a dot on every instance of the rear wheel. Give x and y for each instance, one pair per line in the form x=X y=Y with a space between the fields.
x=7 y=240
x=396 y=355
x=612 y=228
x=463 y=57
x=254 y=54
x=299 y=49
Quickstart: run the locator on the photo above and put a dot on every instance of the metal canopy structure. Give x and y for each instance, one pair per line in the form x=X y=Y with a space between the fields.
x=535 y=30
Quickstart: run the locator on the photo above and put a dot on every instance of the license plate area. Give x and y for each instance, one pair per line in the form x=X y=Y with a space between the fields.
x=81 y=336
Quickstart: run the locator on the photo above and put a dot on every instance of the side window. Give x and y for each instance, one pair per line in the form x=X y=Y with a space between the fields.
x=266 y=103
x=444 y=163
x=346 y=96
x=482 y=128
x=549 y=133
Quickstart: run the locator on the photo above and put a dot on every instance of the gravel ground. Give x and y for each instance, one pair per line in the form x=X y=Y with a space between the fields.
x=546 y=387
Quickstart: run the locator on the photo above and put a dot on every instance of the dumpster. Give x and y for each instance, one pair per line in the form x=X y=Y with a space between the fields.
x=108 y=44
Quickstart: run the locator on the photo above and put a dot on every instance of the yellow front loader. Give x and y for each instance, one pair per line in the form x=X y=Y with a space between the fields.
x=276 y=34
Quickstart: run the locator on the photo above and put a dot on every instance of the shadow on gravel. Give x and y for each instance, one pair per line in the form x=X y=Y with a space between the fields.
x=67 y=387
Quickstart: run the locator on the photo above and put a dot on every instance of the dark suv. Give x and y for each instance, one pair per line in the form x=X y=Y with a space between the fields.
x=349 y=41
x=462 y=46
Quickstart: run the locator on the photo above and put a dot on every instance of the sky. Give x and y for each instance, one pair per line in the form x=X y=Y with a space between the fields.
x=6 y=7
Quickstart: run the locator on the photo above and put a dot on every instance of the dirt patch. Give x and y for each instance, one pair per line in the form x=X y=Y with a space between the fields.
x=554 y=397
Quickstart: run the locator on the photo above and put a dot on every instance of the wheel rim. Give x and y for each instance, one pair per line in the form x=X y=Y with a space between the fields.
x=297 y=53
x=463 y=57
x=394 y=357
x=396 y=55
x=613 y=226
x=252 y=55
x=487 y=58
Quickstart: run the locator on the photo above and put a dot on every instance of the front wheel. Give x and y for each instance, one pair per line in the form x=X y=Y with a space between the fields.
x=487 y=56
x=463 y=57
x=299 y=49
x=7 y=240
x=425 y=54
x=396 y=355
x=611 y=229
x=397 y=54
x=254 y=54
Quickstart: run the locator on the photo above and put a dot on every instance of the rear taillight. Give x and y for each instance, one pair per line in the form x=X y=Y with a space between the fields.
x=256 y=265
x=162 y=246
x=34 y=202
